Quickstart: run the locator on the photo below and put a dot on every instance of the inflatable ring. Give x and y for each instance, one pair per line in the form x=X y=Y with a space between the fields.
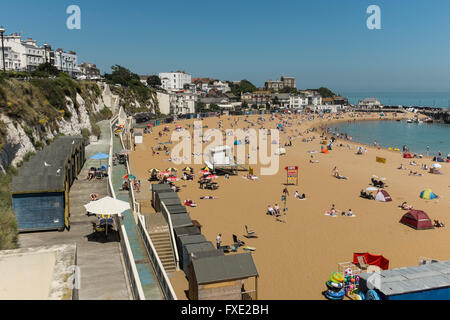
x=334 y=285
x=335 y=295
x=372 y=295
x=337 y=277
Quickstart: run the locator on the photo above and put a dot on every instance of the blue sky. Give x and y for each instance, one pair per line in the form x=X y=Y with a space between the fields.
x=321 y=42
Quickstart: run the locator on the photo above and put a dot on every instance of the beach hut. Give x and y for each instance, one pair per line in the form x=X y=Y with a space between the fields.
x=417 y=219
x=40 y=192
x=427 y=194
x=422 y=282
x=183 y=253
x=160 y=197
x=383 y=196
x=223 y=277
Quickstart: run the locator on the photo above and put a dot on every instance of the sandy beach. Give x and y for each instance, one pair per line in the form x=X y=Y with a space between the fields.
x=294 y=259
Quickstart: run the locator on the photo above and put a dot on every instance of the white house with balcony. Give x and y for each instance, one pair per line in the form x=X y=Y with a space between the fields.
x=176 y=103
x=67 y=62
x=12 y=60
x=173 y=81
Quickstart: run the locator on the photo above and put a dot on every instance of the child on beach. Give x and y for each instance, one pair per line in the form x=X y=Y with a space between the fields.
x=277 y=210
x=270 y=210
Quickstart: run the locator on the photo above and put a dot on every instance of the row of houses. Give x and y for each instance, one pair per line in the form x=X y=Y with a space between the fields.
x=26 y=55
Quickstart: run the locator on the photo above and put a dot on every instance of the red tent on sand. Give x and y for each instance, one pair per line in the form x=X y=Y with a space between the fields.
x=372 y=260
x=417 y=219
x=383 y=196
x=407 y=155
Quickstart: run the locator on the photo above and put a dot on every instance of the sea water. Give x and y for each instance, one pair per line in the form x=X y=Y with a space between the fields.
x=395 y=134
x=426 y=99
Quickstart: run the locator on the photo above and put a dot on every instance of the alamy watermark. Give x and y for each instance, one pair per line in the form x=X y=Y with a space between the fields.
x=263 y=147
x=374 y=20
x=73 y=22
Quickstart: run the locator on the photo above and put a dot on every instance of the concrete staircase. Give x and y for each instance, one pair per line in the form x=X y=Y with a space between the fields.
x=158 y=229
x=163 y=246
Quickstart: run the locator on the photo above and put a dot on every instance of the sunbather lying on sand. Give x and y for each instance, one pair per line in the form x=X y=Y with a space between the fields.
x=414 y=173
x=405 y=206
x=299 y=196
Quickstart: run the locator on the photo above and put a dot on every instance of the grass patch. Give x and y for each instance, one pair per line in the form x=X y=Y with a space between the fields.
x=8 y=223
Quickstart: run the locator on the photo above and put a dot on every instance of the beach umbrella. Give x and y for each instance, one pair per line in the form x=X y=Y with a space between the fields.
x=173 y=179
x=374 y=176
x=371 y=189
x=99 y=156
x=205 y=172
x=165 y=173
x=149 y=125
x=188 y=169
x=172 y=170
x=128 y=177
x=206 y=168
x=436 y=165
x=211 y=176
x=237 y=143
x=107 y=206
x=153 y=171
x=382 y=179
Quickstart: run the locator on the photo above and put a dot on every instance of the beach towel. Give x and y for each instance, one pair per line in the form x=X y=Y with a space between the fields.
x=328 y=213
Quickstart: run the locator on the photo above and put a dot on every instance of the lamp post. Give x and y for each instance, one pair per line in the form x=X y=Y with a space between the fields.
x=2 y=31
x=45 y=52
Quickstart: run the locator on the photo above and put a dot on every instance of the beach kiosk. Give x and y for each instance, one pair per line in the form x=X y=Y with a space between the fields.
x=223 y=278
x=40 y=192
x=424 y=282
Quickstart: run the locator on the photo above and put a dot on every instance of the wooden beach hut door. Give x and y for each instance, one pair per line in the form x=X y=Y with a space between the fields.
x=66 y=206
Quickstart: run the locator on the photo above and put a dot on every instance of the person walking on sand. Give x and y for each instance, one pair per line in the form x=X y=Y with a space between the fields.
x=286 y=191
x=219 y=241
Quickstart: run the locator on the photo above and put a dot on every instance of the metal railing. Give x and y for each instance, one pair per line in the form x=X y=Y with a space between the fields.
x=130 y=265
x=158 y=267
x=166 y=214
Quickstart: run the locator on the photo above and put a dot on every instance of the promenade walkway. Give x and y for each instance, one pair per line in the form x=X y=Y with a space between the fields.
x=102 y=273
x=144 y=266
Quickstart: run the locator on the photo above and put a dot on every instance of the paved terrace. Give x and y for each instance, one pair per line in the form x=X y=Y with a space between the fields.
x=144 y=266
x=102 y=273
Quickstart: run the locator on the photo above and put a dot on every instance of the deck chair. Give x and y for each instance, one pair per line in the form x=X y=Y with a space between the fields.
x=362 y=262
x=237 y=242
x=250 y=233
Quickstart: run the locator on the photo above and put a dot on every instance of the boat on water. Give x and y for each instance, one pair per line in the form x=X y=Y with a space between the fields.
x=414 y=120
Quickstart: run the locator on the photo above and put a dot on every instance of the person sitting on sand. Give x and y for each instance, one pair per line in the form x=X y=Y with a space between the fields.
x=270 y=210
x=350 y=213
x=401 y=167
x=333 y=211
x=277 y=210
x=335 y=171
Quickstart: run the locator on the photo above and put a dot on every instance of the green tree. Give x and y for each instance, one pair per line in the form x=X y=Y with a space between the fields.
x=325 y=92
x=244 y=86
x=214 y=107
x=45 y=70
x=289 y=90
x=122 y=76
x=153 y=81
